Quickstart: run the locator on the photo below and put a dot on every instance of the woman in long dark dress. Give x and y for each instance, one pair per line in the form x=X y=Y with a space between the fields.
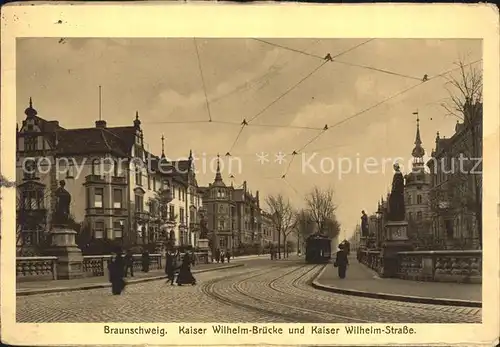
x=341 y=261
x=185 y=276
x=116 y=274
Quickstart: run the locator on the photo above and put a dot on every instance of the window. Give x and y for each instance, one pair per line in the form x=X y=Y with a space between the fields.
x=419 y=215
x=89 y=200
x=118 y=229
x=408 y=198
x=33 y=199
x=410 y=215
x=419 y=199
x=30 y=143
x=70 y=171
x=152 y=208
x=138 y=176
x=98 y=197
x=181 y=215
x=191 y=198
x=192 y=216
x=116 y=169
x=139 y=203
x=149 y=182
x=117 y=198
x=99 y=230
x=221 y=225
x=29 y=168
x=96 y=167
x=154 y=183
x=221 y=208
x=171 y=212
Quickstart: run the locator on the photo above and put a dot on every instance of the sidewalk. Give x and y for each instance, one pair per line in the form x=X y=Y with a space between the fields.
x=362 y=281
x=41 y=287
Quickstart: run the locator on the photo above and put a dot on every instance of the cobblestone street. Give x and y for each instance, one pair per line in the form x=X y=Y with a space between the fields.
x=260 y=291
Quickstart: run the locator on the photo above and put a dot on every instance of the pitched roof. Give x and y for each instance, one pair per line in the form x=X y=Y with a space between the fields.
x=117 y=140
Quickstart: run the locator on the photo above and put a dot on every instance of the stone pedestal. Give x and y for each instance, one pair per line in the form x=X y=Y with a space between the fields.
x=204 y=250
x=396 y=240
x=69 y=256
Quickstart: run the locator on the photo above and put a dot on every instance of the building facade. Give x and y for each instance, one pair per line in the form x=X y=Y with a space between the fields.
x=217 y=200
x=113 y=181
x=268 y=231
x=417 y=188
x=248 y=216
x=456 y=189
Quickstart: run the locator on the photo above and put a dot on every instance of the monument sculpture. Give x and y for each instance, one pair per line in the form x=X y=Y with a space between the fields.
x=62 y=209
x=63 y=245
x=396 y=229
x=397 y=197
x=203 y=242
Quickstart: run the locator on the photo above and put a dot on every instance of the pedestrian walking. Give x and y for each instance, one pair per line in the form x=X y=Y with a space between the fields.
x=116 y=269
x=129 y=263
x=145 y=261
x=228 y=256
x=222 y=257
x=170 y=267
x=185 y=276
x=217 y=255
x=341 y=261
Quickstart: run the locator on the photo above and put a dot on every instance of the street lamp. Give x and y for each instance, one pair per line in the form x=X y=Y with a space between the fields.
x=379 y=224
x=122 y=227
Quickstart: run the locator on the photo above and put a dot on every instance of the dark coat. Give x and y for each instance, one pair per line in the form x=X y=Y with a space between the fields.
x=185 y=276
x=116 y=273
x=170 y=266
x=341 y=259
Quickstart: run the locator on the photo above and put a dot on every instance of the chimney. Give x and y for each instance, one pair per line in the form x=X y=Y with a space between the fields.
x=245 y=186
x=101 y=124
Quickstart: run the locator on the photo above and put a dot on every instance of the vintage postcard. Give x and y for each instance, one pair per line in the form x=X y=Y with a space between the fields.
x=215 y=174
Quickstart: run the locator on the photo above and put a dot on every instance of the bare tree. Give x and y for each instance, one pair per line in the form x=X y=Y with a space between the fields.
x=304 y=226
x=322 y=211
x=283 y=218
x=466 y=104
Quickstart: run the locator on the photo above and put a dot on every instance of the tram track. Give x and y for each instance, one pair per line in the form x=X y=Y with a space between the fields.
x=297 y=314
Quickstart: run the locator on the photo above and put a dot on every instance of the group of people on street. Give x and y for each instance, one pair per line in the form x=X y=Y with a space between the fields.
x=220 y=256
x=120 y=265
x=175 y=266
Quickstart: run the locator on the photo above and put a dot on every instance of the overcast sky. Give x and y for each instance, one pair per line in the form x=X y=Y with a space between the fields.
x=161 y=79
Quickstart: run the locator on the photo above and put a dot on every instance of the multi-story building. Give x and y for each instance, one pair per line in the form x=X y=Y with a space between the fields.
x=221 y=213
x=417 y=187
x=248 y=218
x=268 y=231
x=112 y=179
x=456 y=183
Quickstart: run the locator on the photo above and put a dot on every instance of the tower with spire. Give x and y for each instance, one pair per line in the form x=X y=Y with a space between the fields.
x=417 y=188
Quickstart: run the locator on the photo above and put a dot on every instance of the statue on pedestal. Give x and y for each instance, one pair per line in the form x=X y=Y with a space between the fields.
x=397 y=198
x=63 y=200
x=203 y=228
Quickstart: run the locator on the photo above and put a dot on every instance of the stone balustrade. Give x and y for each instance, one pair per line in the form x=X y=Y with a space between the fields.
x=462 y=266
x=441 y=266
x=45 y=268
x=36 y=268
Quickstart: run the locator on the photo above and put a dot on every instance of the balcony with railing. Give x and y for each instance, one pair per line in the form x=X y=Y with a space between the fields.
x=94 y=179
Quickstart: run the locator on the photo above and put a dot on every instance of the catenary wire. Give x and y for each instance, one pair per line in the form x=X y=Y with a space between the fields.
x=372 y=107
x=202 y=79
x=325 y=60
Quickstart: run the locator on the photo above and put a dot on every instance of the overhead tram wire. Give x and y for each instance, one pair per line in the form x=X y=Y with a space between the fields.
x=288 y=48
x=378 y=70
x=244 y=123
x=202 y=79
x=326 y=59
x=372 y=107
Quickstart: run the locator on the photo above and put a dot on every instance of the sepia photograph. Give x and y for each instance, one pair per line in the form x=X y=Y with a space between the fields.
x=257 y=163
x=335 y=183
